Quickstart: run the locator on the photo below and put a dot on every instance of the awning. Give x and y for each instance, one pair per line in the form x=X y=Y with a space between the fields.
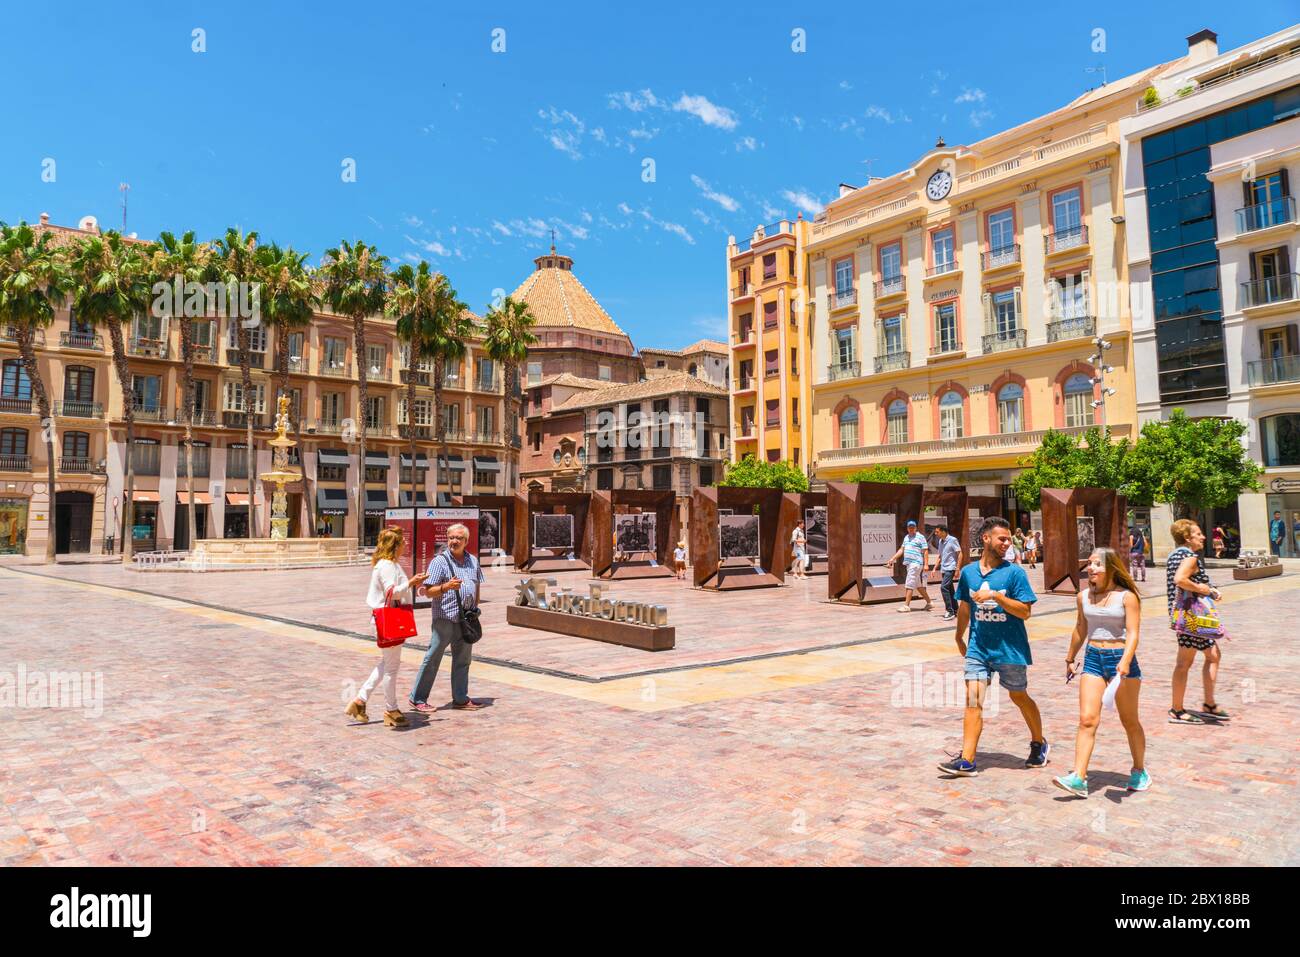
x=404 y=498
x=487 y=463
x=452 y=462
x=237 y=498
x=332 y=501
x=140 y=495
x=421 y=460
x=331 y=457
x=377 y=460
x=200 y=498
x=376 y=501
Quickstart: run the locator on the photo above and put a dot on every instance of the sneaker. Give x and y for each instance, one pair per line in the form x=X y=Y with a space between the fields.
x=1139 y=781
x=959 y=767
x=423 y=707
x=1038 y=751
x=1073 y=783
x=948 y=616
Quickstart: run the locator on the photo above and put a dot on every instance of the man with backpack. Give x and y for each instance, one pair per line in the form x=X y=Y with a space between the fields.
x=1137 y=553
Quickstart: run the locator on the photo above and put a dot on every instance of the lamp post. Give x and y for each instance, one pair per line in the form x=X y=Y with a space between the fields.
x=1097 y=361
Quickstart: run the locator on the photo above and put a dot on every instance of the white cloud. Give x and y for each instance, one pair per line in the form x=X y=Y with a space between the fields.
x=625 y=209
x=970 y=96
x=501 y=227
x=677 y=229
x=979 y=117
x=414 y=221
x=702 y=216
x=803 y=200
x=636 y=102
x=722 y=199
x=566 y=132
x=874 y=112
x=772 y=213
x=797 y=121
x=746 y=143
x=641 y=133
x=708 y=113
x=845 y=85
x=432 y=248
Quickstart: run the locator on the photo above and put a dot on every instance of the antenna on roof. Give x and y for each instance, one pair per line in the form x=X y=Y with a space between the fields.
x=552 y=240
x=1097 y=69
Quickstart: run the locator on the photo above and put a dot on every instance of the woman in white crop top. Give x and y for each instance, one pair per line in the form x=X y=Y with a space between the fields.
x=1109 y=617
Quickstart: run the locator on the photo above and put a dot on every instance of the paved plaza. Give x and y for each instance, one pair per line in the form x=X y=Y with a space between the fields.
x=782 y=729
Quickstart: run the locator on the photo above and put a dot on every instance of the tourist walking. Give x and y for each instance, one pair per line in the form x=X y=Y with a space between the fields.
x=949 y=557
x=1276 y=533
x=388 y=585
x=799 y=550
x=679 y=560
x=994 y=599
x=453 y=574
x=1137 y=553
x=1218 y=541
x=915 y=552
x=1194 y=619
x=1109 y=615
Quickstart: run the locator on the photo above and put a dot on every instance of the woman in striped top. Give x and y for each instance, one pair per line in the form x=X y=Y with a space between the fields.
x=1185 y=573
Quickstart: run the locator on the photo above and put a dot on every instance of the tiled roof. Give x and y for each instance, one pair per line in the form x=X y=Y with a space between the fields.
x=569 y=379
x=660 y=385
x=556 y=298
x=705 y=345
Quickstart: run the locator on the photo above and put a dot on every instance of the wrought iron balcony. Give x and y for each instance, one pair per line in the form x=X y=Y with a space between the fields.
x=299 y=364
x=740 y=292
x=1073 y=327
x=844 y=298
x=488 y=384
x=1076 y=237
x=91 y=341
x=415 y=431
x=148 y=348
x=893 y=360
x=409 y=375
x=1272 y=371
x=892 y=286
x=207 y=354
x=256 y=360
x=1263 y=292
x=843 y=370
x=15 y=463
x=745 y=383
x=77 y=409
x=1274 y=212
x=742 y=337
x=10 y=334
x=1003 y=340
x=337 y=370
x=74 y=464
x=22 y=406
x=945 y=345
x=149 y=413
x=239 y=420
x=997 y=258
x=941 y=269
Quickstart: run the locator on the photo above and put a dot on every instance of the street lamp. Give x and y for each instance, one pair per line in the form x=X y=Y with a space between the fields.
x=1096 y=360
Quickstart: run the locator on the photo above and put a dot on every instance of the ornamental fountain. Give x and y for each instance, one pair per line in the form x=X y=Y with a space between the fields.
x=281 y=472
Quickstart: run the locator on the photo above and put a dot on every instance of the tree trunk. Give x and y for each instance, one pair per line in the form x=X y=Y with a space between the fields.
x=439 y=431
x=359 y=348
x=246 y=381
x=123 y=371
x=28 y=352
x=187 y=354
x=511 y=371
x=410 y=424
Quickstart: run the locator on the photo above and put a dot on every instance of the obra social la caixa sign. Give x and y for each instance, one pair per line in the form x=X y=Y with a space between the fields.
x=534 y=593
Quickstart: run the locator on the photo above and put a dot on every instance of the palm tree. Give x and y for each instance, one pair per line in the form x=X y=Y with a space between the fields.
x=236 y=266
x=355 y=283
x=288 y=303
x=453 y=324
x=409 y=302
x=112 y=288
x=509 y=334
x=188 y=261
x=34 y=282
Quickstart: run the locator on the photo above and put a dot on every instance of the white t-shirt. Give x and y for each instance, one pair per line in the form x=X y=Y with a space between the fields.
x=385 y=575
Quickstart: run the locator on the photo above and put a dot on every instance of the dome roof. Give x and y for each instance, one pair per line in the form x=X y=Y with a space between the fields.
x=556 y=297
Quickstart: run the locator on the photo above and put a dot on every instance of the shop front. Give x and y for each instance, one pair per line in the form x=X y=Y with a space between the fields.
x=13 y=526
x=236 y=522
x=1282 y=497
x=144 y=521
x=376 y=506
x=331 y=512
x=202 y=502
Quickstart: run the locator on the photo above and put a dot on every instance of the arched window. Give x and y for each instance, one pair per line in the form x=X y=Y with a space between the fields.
x=13 y=441
x=950 y=415
x=849 y=428
x=896 y=422
x=1011 y=408
x=691 y=369
x=1078 y=400
x=79 y=384
x=76 y=445
x=14 y=383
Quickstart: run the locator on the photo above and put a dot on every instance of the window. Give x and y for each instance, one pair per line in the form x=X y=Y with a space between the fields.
x=604 y=479
x=16 y=385
x=537 y=441
x=896 y=422
x=891 y=335
x=706 y=475
x=234 y=397
x=13 y=441
x=450 y=416
x=296 y=346
x=76 y=445
x=146 y=456
x=773 y=407
x=534 y=373
x=771 y=363
x=1072 y=296
x=746 y=326
x=692 y=369
x=747 y=420
x=485 y=419
x=202 y=459
x=331 y=408
x=774 y=455
x=794 y=417
x=256 y=337
x=891 y=267
x=1004 y=314
x=661 y=476
x=945 y=327
x=146 y=389
x=1281 y=434
x=943 y=250
x=150 y=328
x=79 y=384
x=950 y=416
x=1078 y=400
x=769 y=315
x=486 y=374
x=844 y=278
x=849 y=429
x=1067 y=218
x=844 y=346
x=769 y=266
x=702 y=410
x=1002 y=234
x=485 y=477
x=1011 y=408
x=336 y=351
x=374 y=412
x=603 y=373
x=376 y=360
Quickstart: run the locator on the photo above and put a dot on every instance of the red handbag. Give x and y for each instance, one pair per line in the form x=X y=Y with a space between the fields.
x=393 y=623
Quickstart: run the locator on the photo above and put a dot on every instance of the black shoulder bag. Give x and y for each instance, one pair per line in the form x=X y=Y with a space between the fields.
x=471 y=628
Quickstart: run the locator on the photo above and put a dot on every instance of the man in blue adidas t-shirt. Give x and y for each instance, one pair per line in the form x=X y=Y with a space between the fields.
x=995 y=599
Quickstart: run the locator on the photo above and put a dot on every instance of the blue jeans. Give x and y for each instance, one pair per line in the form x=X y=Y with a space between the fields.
x=446 y=632
x=1103 y=662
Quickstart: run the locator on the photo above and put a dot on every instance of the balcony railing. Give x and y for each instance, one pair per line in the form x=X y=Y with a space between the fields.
x=77 y=409
x=1262 y=292
x=488 y=384
x=844 y=298
x=941 y=269
x=1274 y=212
x=74 y=464
x=893 y=286
x=299 y=364
x=149 y=413
x=1072 y=327
x=10 y=334
x=1274 y=370
x=742 y=337
x=1004 y=339
x=81 y=340
x=239 y=420
x=740 y=292
x=14 y=404
x=487 y=438
x=1064 y=239
x=843 y=370
x=893 y=360
x=207 y=354
x=946 y=342
x=745 y=383
x=407 y=375
x=205 y=417
x=338 y=370
x=997 y=258
x=256 y=360
x=15 y=463
x=326 y=426
x=948 y=447
x=415 y=431
x=149 y=348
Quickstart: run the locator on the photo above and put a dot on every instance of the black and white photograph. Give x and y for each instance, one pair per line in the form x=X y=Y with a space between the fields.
x=1087 y=536
x=489 y=530
x=815 y=529
x=634 y=533
x=552 y=531
x=974 y=543
x=738 y=536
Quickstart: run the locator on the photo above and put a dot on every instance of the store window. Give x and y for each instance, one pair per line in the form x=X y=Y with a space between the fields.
x=13 y=526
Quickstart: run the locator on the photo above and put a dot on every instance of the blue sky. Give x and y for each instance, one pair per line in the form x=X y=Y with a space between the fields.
x=469 y=158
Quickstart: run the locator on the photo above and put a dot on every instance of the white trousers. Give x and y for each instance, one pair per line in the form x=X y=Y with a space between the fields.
x=386 y=671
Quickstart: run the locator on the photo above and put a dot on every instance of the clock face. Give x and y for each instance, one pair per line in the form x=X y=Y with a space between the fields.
x=940 y=185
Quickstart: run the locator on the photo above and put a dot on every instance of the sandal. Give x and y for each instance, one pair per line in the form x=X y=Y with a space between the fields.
x=1184 y=717
x=1214 y=711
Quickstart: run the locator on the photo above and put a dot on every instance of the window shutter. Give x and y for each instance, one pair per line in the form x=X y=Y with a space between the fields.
x=1284 y=259
x=1291 y=344
x=988 y=312
x=1087 y=291
x=1248 y=193
x=1054 y=298
x=1286 y=189
x=1020 y=322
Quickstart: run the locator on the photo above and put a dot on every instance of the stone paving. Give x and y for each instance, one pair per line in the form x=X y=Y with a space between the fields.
x=219 y=737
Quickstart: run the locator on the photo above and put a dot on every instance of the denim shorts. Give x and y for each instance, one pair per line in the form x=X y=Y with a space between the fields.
x=1010 y=677
x=1102 y=662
